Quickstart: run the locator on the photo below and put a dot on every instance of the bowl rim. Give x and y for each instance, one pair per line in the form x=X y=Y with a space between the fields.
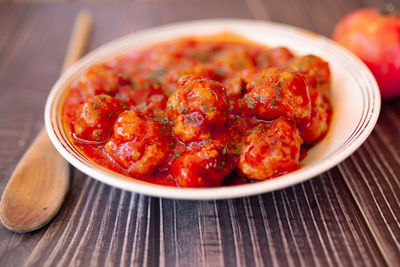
x=359 y=135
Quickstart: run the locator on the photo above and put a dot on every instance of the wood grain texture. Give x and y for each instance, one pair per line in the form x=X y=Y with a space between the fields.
x=348 y=216
x=36 y=189
x=38 y=186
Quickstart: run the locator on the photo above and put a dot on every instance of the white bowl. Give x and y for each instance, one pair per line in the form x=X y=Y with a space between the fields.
x=355 y=99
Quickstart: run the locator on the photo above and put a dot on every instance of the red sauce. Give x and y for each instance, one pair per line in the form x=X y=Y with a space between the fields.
x=200 y=112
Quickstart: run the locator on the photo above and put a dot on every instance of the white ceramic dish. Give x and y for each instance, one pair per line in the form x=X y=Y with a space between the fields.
x=355 y=98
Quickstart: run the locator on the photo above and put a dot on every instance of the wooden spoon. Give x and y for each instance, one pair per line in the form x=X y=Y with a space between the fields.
x=40 y=182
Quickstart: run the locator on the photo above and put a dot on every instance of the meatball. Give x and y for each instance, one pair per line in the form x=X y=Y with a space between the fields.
x=317 y=74
x=196 y=107
x=193 y=68
x=140 y=90
x=278 y=93
x=270 y=149
x=101 y=79
x=207 y=164
x=315 y=70
x=139 y=143
x=176 y=53
x=278 y=57
x=235 y=85
x=154 y=106
x=314 y=129
x=236 y=58
x=94 y=119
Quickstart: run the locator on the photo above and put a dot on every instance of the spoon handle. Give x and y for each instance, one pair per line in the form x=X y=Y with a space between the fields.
x=38 y=186
x=79 y=38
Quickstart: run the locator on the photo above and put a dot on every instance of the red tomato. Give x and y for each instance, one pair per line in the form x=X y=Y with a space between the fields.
x=375 y=37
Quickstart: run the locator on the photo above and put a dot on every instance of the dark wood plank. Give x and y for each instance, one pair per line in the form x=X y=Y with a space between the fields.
x=373 y=176
x=348 y=216
x=312 y=224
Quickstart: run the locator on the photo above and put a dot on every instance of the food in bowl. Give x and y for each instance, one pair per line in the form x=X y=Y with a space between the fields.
x=190 y=112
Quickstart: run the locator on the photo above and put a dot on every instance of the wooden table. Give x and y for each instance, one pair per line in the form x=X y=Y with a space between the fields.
x=348 y=216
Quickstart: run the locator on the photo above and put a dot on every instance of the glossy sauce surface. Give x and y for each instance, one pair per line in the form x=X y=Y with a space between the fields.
x=200 y=112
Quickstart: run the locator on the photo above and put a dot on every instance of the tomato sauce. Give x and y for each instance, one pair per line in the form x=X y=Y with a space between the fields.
x=200 y=112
